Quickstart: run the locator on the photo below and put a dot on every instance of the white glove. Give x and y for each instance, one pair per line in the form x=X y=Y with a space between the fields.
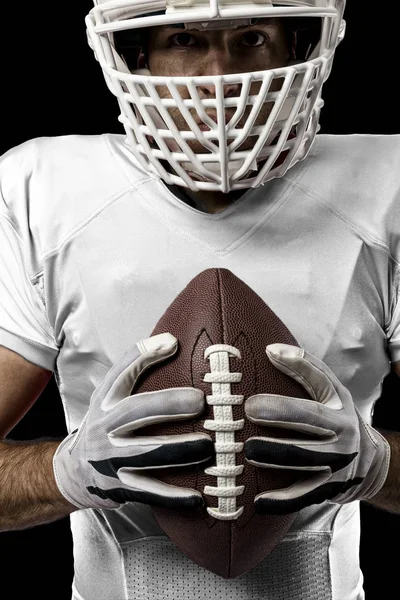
x=104 y=463
x=344 y=458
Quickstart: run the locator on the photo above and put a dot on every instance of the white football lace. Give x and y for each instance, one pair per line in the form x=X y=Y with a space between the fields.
x=224 y=426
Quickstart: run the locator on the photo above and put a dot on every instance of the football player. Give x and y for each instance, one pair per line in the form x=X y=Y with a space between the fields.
x=221 y=164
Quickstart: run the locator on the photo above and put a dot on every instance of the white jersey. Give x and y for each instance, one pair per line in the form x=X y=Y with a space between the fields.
x=93 y=250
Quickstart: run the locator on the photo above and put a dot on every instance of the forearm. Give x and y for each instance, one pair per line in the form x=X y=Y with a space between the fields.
x=388 y=498
x=29 y=495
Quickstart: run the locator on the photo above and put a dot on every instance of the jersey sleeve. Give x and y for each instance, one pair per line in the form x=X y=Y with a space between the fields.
x=24 y=325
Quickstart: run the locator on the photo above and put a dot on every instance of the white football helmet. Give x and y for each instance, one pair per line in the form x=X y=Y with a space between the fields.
x=226 y=161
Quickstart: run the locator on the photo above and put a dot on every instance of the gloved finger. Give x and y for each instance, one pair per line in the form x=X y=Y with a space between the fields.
x=313 y=490
x=313 y=374
x=284 y=454
x=155 y=492
x=121 y=378
x=298 y=414
x=157 y=452
x=129 y=486
x=149 y=408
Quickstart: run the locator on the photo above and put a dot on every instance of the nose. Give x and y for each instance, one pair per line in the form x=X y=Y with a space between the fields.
x=230 y=90
x=220 y=63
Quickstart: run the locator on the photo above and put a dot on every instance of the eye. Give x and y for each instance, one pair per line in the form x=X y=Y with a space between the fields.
x=253 y=38
x=182 y=40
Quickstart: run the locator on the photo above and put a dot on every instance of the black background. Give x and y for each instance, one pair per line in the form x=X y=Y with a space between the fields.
x=51 y=85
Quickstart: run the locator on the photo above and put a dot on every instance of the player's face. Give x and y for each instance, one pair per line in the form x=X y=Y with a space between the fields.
x=180 y=52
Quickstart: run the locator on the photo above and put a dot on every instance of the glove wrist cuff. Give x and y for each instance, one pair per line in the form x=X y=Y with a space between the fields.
x=62 y=467
x=379 y=471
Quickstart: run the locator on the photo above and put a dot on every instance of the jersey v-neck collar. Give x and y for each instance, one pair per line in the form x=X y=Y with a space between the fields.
x=219 y=233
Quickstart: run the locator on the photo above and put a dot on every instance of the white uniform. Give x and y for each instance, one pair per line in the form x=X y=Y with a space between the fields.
x=93 y=250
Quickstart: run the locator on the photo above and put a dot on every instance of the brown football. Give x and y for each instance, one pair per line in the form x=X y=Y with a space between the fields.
x=218 y=308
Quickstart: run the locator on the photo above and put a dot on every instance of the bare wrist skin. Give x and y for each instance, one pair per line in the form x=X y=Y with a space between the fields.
x=29 y=495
